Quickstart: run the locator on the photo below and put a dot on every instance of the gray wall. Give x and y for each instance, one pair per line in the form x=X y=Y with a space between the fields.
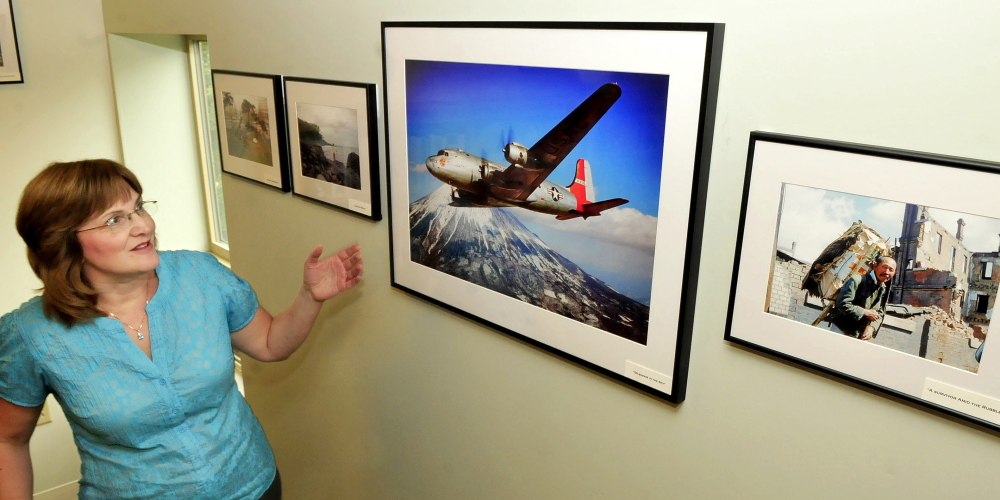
x=392 y=397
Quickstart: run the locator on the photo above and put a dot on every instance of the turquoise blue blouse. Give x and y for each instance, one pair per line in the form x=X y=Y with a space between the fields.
x=171 y=427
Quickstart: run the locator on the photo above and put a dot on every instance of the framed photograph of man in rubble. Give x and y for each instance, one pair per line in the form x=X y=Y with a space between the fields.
x=875 y=265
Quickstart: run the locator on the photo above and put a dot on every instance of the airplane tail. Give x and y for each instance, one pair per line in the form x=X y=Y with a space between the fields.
x=583 y=189
x=583 y=184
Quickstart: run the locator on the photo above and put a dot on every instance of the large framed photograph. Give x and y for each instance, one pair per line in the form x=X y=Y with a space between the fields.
x=250 y=111
x=333 y=143
x=556 y=195
x=10 y=58
x=874 y=264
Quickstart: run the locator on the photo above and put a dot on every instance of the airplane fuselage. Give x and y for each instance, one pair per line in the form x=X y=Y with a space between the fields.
x=473 y=179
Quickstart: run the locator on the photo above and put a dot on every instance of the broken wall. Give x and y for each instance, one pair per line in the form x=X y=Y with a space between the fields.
x=935 y=245
x=931 y=287
x=786 y=294
x=979 y=286
x=949 y=343
x=935 y=336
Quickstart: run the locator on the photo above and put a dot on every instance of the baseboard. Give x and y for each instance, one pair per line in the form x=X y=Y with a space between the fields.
x=67 y=491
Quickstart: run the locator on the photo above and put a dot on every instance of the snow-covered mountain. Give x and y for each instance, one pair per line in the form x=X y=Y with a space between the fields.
x=491 y=248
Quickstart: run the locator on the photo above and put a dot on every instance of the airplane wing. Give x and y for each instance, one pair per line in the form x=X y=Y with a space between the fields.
x=517 y=182
x=593 y=209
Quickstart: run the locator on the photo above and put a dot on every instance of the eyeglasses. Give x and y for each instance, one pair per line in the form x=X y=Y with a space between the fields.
x=119 y=221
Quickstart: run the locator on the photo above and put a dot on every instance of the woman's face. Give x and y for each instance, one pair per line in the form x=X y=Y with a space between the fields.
x=127 y=250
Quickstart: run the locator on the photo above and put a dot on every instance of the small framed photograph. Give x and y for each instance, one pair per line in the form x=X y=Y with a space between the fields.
x=10 y=58
x=252 y=142
x=874 y=264
x=333 y=143
x=556 y=195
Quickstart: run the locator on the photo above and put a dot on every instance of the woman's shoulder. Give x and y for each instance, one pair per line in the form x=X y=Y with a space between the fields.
x=180 y=259
x=30 y=310
x=29 y=317
x=189 y=268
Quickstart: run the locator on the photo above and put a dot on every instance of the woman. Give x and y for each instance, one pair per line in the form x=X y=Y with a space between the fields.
x=136 y=345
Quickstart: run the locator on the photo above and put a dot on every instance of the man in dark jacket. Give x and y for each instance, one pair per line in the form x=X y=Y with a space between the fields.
x=860 y=306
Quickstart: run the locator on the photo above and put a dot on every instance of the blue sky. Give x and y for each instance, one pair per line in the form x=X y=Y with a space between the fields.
x=478 y=108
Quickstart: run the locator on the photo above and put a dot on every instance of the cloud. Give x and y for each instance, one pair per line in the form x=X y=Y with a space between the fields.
x=338 y=126
x=622 y=226
x=885 y=217
x=623 y=261
x=980 y=232
x=811 y=218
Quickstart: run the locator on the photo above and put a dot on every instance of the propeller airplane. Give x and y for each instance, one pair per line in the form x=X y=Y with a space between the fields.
x=479 y=182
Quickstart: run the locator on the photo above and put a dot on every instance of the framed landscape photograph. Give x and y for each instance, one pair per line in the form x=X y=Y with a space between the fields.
x=874 y=264
x=252 y=142
x=10 y=58
x=556 y=195
x=333 y=143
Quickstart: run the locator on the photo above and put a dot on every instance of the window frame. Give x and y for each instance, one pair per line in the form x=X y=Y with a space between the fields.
x=218 y=245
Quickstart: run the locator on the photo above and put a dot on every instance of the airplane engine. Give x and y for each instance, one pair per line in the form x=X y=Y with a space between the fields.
x=517 y=154
x=461 y=198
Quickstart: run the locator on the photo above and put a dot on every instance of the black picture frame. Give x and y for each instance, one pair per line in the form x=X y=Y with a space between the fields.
x=10 y=55
x=447 y=90
x=817 y=218
x=251 y=147
x=349 y=111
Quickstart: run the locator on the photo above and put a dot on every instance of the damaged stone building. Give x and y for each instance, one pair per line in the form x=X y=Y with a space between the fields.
x=933 y=264
x=984 y=278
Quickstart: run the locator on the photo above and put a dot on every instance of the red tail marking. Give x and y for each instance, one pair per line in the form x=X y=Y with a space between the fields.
x=579 y=186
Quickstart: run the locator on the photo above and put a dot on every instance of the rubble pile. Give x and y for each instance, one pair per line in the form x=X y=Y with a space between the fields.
x=941 y=318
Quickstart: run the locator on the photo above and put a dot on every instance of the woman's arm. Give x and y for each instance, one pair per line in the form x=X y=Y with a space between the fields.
x=274 y=338
x=17 y=423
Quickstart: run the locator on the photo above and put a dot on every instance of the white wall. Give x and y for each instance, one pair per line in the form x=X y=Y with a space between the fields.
x=64 y=111
x=395 y=398
x=152 y=83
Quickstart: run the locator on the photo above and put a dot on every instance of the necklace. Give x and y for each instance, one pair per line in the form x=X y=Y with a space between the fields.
x=145 y=316
x=138 y=331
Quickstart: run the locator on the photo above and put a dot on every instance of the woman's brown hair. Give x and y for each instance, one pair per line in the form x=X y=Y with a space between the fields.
x=53 y=206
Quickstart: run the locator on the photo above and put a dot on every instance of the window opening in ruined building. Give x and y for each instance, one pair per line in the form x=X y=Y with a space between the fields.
x=939 y=241
x=982 y=303
x=951 y=263
x=987 y=270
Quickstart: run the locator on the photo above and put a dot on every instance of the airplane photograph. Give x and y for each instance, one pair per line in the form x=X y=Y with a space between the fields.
x=567 y=221
x=479 y=181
